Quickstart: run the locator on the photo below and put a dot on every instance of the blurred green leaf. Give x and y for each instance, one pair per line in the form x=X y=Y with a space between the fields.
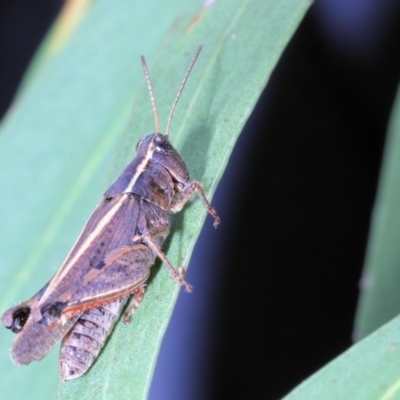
x=380 y=294
x=58 y=145
x=369 y=370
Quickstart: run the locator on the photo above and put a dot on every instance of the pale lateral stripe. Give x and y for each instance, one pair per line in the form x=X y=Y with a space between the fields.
x=141 y=167
x=62 y=272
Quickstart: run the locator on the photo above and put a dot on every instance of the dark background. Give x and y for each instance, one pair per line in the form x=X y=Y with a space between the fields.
x=277 y=283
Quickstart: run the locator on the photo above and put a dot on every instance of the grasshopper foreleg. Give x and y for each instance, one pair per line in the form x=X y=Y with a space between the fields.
x=186 y=193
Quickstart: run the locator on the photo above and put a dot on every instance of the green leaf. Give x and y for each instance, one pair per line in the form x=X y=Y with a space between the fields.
x=79 y=115
x=368 y=370
x=380 y=295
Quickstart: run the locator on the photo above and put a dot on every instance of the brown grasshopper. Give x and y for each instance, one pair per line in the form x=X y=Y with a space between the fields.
x=111 y=259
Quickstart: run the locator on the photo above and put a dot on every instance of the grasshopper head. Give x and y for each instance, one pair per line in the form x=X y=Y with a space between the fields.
x=165 y=155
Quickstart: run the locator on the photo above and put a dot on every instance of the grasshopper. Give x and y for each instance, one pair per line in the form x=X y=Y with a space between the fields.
x=111 y=258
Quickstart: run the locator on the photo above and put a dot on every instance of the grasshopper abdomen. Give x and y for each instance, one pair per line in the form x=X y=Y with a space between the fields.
x=82 y=344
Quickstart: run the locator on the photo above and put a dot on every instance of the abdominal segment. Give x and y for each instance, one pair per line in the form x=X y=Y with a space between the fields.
x=83 y=343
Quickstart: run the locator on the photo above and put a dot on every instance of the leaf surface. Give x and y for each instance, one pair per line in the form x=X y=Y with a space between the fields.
x=380 y=295
x=369 y=370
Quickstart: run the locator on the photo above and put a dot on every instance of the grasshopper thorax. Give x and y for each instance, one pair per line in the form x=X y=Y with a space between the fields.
x=156 y=174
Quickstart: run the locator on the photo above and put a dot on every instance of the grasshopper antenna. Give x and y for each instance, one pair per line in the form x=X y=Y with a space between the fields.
x=153 y=102
x=181 y=89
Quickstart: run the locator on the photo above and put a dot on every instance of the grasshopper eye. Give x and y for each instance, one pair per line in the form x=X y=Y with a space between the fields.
x=162 y=145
